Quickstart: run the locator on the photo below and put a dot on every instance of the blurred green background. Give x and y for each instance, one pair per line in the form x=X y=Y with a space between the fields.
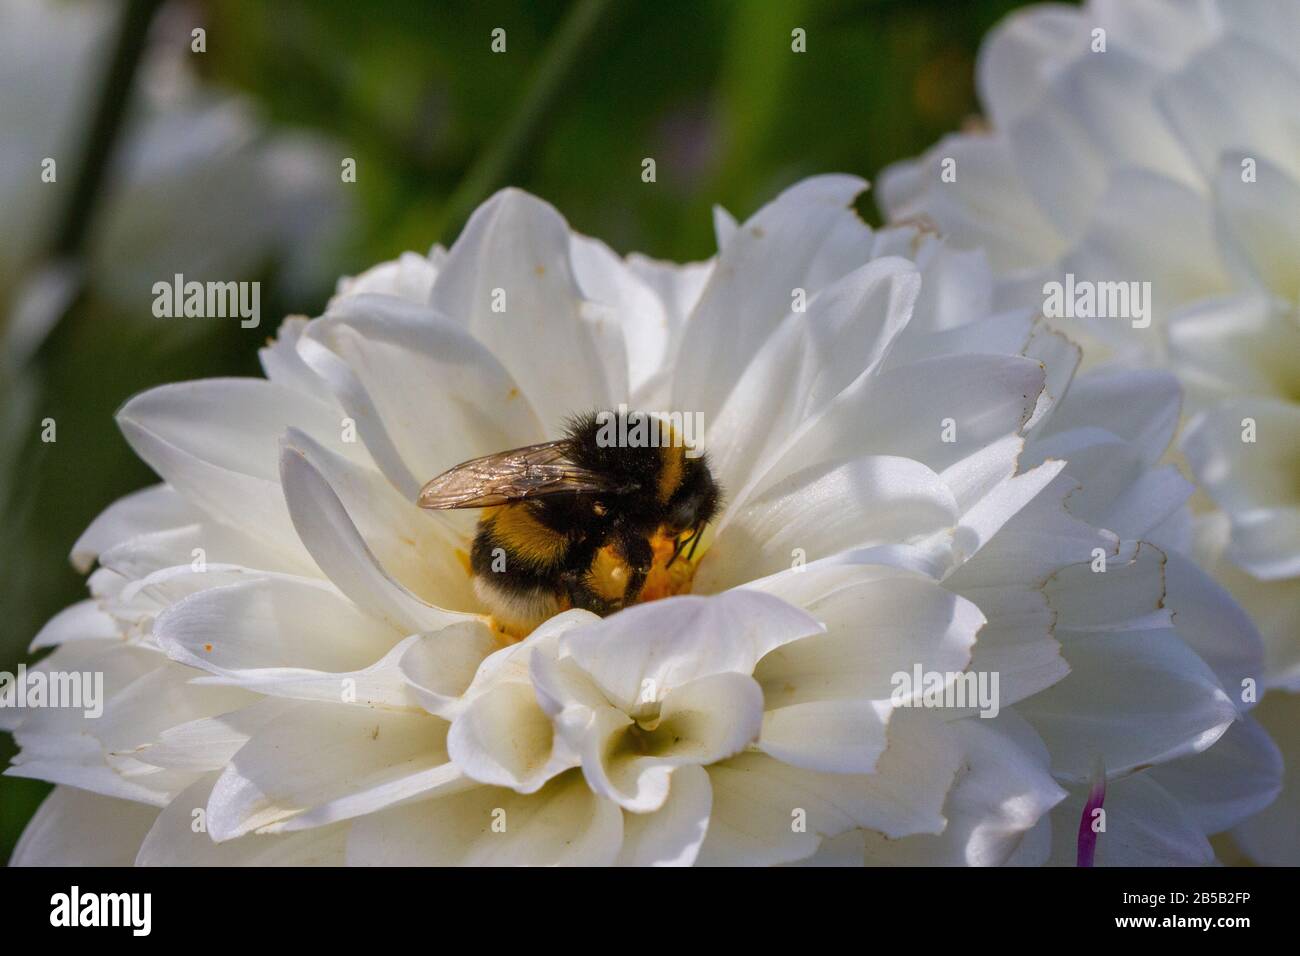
x=435 y=121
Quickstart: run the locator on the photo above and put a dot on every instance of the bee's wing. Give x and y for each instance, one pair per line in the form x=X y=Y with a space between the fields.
x=511 y=476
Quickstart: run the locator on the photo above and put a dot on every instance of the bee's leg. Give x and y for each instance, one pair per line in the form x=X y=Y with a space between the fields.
x=696 y=534
x=574 y=579
x=582 y=596
x=635 y=550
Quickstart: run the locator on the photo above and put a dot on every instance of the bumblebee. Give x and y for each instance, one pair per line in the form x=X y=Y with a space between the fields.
x=571 y=523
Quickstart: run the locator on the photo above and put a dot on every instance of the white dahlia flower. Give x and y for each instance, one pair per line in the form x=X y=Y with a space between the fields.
x=1158 y=141
x=296 y=659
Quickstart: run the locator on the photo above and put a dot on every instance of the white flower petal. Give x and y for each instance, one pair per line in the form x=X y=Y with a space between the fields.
x=1017 y=641
x=983 y=473
x=1034 y=544
x=198 y=746
x=990 y=514
x=987 y=206
x=832 y=736
x=1164 y=31
x=327 y=762
x=78 y=828
x=879 y=622
x=891 y=501
x=1272 y=837
x=671 y=642
x=847 y=849
x=954 y=313
x=148 y=510
x=724 y=225
x=216 y=442
x=707 y=720
x=79 y=763
x=1019 y=55
x=1133 y=697
x=272 y=623
x=1097 y=112
x=83 y=621
x=1145 y=826
x=174 y=840
x=630 y=302
x=1241 y=343
x=338 y=548
x=514 y=661
x=1139 y=406
x=677 y=286
x=1148 y=227
x=409 y=277
x=284 y=366
x=629 y=759
x=904 y=412
x=701 y=723
x=503 y=737
x=844 y=334
x=519 y=245
x=1214 y=626
x=1001 y=793
x=1130 y=591
x=1158 y=496
x=565 y=824
x=1253 y=481
x=806 y=238
x=120 y=664
x=1271 y=22
x=1270 y=604
x=1236 y=778
x=1229 y=95
x=424 y=393
x=441 y=666
x=413 y=545
x=1259 y=224
x=381 y=684
x=156 y=701
x=766 y=811
x=673 y=834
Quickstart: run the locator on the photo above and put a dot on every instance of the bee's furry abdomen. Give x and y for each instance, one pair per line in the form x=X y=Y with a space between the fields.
x=519 y=531
x=516 y=561
x=517 y=609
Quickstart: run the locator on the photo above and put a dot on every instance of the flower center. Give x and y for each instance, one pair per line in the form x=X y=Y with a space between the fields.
x=664 y=580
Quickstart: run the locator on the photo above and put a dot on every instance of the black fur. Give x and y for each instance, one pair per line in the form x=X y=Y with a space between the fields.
x=626 y=518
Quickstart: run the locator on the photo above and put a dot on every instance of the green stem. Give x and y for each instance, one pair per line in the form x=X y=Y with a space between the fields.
x=106 y=124
x=501 y=156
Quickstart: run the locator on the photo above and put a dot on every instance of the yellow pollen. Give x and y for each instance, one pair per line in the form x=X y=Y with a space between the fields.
x=663 y=581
